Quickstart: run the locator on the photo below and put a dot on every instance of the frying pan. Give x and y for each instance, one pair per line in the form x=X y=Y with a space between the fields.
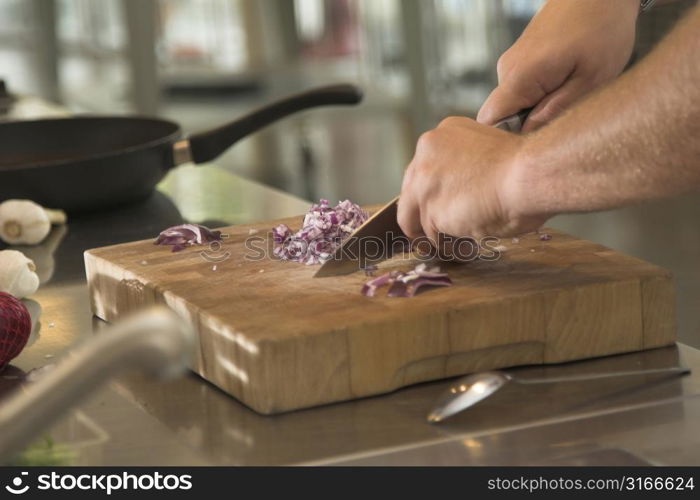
x=94 y=162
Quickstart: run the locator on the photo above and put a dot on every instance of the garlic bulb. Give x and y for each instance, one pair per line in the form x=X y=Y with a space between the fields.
x=23 y=222
x=35 y=310
x=43 y=253
x=17 y=276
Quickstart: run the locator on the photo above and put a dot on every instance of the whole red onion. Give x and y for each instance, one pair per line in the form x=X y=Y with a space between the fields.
x=15 y=327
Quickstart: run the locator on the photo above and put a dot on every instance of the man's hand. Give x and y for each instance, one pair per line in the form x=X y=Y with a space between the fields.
x=634 y=140
x=569 y=48
x=458 y=184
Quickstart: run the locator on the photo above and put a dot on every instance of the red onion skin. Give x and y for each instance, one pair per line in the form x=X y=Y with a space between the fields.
x=15 y=327
x=408 y=284
x=186 y=235
x=368 y=290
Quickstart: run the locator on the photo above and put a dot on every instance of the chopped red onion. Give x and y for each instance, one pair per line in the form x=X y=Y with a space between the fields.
x=186 y=235
x=323 y=230
x=281 y=233
x=371 y=286
x=407 y=284
x=545 y=236
x=409 y=289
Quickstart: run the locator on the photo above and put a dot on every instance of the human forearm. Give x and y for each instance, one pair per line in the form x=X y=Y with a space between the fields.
x=637 y=139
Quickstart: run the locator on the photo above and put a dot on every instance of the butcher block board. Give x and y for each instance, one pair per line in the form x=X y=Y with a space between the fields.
x=278 y=339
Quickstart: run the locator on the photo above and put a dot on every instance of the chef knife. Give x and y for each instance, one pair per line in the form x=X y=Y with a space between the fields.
x=371 y=243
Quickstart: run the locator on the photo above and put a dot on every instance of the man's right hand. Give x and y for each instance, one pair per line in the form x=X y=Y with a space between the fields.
x=569 y=48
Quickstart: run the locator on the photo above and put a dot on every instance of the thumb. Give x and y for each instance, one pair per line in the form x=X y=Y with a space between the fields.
x=556 y=103
x=505 y=101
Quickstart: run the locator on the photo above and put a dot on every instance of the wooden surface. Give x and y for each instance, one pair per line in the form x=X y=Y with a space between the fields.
x=278 y=339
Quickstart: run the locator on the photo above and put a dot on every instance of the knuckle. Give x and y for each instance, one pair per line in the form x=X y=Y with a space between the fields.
x=420 y=170
x=517 y=83
x=410 y=232
x=407 y=189
x=408 y=174
x=451 y=121
x=403 y=223
x=504 y=62
x=408 y=226
x=522 y=76
x=426 y=142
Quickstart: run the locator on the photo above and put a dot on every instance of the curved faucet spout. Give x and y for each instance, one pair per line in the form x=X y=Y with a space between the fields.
x=156 y=341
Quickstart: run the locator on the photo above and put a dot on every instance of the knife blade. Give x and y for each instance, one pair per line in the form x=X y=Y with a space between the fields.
x=382 y=227
x=359 y=250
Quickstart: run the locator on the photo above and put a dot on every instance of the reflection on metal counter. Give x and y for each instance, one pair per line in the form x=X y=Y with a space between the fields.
x=155 y=341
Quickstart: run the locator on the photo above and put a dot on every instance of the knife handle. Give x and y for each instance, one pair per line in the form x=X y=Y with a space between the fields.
x=514 y=123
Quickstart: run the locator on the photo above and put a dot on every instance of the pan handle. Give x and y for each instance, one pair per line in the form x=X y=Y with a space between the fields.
x=205 y=146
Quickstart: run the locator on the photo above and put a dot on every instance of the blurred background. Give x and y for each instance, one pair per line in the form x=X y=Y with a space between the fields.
x=202 y=62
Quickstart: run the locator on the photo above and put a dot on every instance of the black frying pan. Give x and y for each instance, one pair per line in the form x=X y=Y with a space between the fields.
x=92 y=162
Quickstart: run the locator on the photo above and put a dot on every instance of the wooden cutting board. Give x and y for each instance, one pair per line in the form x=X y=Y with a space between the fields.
x=278 y=339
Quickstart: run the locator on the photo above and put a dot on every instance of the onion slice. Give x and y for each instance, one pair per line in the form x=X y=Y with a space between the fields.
x=369 y=288
x=407 y=284
x=186 y=235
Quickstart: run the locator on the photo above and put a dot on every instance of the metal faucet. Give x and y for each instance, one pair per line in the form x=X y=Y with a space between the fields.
x=156 y=341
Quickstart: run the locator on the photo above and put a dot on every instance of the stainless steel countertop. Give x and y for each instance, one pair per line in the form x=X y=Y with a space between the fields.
x=135 y=421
